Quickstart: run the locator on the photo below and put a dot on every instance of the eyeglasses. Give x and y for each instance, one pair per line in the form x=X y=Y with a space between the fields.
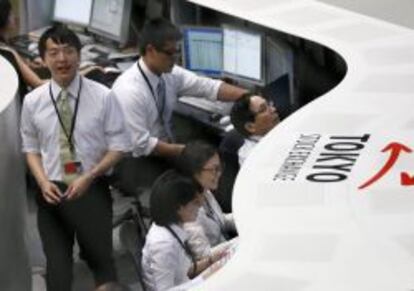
x=169 y=53
x=266 y=106
x=216 y=169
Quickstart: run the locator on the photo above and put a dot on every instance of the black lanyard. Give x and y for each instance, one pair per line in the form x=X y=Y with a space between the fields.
x=185 y=247
x=69 y=134
x=160 y=108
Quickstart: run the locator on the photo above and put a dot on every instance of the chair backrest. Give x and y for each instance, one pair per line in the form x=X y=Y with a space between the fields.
x=228 y=149
x=278 y=91
x=134 y=244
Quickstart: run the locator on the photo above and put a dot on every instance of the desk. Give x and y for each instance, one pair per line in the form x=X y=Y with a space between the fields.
x=212 y=120
x=297 y=230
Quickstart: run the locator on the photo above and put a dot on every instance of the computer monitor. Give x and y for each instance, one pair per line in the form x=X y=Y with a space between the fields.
x=76 y=12
x=279 y=59
x=278 y=91
x=110 y=19
x=203 y=50
x=243 y=54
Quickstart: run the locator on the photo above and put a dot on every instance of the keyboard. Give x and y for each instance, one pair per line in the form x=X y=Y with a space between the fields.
x=100 y=49
x=119 y=56
x=20 y=41
x=218 y=107
x=21 y=44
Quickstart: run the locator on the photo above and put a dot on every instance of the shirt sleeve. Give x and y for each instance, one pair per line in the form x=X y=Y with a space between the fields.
x=136 y=119
x=114 y=126
x=191 y=84
x=197 y=239
x=28 y=131
x=227 y=219
x=164 y=263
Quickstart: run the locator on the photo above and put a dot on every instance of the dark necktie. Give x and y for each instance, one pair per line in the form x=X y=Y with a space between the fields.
x=161 y=99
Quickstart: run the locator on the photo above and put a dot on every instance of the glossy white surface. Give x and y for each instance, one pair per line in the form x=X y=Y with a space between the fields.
x=14 y=265
x=8 y=83
x=304 y=235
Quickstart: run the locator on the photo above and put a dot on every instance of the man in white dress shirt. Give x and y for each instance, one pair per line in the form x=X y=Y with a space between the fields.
x=148 y=92
x=253 y=117
x=73 y=133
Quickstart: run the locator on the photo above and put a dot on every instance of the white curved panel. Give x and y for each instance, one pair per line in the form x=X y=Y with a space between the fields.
x=9 y=83
x=14 y=265
x=316 y=205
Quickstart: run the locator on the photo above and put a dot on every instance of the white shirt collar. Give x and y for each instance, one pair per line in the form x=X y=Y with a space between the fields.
x=255 y=138
x=73 y=87
x=153 y=78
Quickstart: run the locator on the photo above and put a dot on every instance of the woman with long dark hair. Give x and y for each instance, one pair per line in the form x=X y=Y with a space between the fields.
x=212 y=227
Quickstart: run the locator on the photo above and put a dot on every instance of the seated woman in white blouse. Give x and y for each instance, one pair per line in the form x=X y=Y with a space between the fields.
x=201 y=161
x=167 y=261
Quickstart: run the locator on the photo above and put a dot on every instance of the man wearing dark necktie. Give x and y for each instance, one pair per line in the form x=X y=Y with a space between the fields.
x=73 y=134
x=149 y=125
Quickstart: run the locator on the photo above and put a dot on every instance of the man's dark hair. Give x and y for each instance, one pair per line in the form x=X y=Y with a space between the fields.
x=158 y=32
x=240 y=114
x=5 y=10
x=169 y=192
x=194 y=157
x=59 y=34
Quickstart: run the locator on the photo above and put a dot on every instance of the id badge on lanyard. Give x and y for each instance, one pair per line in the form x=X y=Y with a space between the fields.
x=73 y=165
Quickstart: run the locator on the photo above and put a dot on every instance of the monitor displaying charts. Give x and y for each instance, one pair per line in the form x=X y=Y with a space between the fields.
x=243 y=54
x=203 y=50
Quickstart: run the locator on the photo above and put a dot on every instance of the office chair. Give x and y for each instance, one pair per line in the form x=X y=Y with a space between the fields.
x=132 y=242
x=133 y=220
x=99 y=76
x=278 y=91
x=228 y=148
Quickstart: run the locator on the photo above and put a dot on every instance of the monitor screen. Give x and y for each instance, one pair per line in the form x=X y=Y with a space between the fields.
x=279 y=59
x=110 y=19
x=203 y=50
x=73 y=12
x=243 y=54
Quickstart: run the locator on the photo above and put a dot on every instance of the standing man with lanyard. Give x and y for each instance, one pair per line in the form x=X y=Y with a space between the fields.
x=147 y=93
x=73 y=133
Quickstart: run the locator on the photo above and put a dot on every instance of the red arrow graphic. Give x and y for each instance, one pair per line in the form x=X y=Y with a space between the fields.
x=395 y=149
x=406 y=179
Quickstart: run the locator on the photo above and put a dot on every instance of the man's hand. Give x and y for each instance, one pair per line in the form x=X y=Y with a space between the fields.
x=79 y=186
x=51 y=192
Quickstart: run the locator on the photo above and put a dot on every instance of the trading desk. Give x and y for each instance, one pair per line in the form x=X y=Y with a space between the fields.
x=326 y=200
x=212 y=115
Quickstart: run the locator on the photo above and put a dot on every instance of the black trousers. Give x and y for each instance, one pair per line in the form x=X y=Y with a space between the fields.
x=89 y=220
x=131 y=174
